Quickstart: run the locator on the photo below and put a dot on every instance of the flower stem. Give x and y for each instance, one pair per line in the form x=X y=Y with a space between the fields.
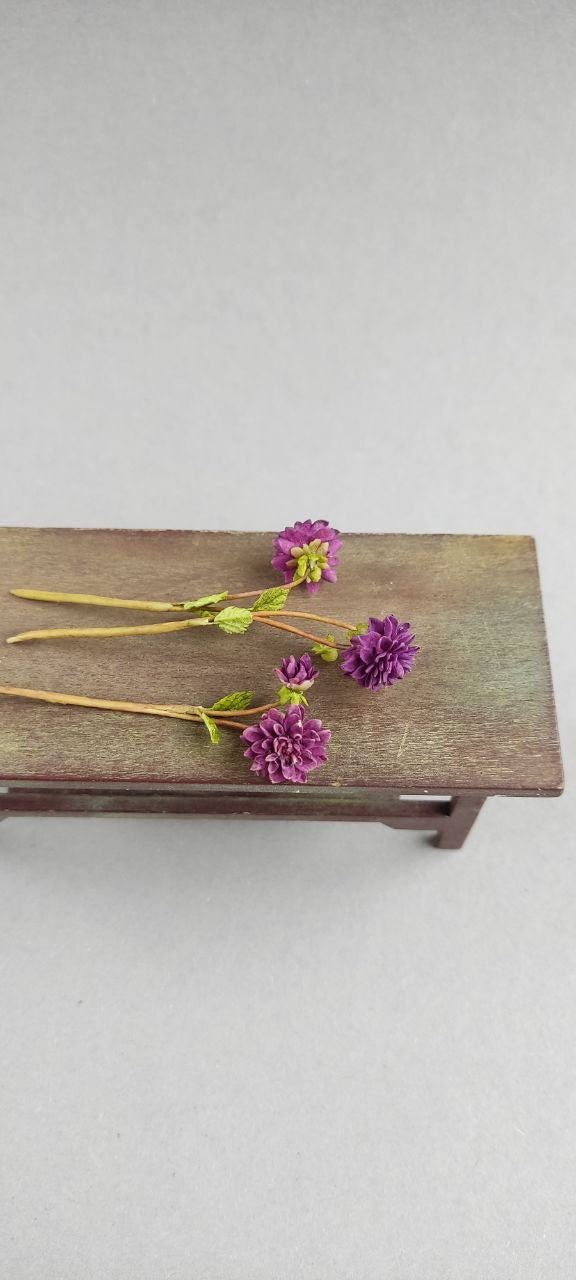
x=316 y=617
x=119 y=602
x=155 y=628
x=241 y=595
x=109 y=704
x=112 y=602
x=295 y=631
x=249 y=711
x=63 y=633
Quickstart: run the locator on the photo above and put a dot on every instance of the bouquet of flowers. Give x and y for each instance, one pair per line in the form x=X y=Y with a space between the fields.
x=282 y=742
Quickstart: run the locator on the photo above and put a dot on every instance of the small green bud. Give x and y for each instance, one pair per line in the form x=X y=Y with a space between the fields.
x=327 y=651
x=291 y=697
x=358 y=630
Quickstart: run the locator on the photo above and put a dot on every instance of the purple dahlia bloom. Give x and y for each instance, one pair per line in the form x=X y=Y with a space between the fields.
x=297 y=673
x=381 y=655
x=286 y=747
x=307 y=551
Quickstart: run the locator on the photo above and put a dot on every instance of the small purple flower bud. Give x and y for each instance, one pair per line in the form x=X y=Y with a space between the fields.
x=297 y=673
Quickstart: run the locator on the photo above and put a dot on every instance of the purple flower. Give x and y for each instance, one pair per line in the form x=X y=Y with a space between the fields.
x=297 y=673
x=307 y=551
x=286 y=747
x=381 y=655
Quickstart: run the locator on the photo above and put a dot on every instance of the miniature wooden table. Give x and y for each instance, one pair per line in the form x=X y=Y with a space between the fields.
x=474 y=719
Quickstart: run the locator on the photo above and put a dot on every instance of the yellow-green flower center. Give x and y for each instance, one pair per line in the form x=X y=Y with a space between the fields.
x=309 y=560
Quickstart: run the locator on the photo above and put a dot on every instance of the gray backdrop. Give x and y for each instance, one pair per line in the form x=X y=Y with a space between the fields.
x=260 y=261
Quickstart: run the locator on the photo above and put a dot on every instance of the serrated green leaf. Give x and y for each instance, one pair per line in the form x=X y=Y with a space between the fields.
x=234 y=701
x=325 y=651
x=204 y=600
x=272 y=598
x=212 y=727
x=233 y=621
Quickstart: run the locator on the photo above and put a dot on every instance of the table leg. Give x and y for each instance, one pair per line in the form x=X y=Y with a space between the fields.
x=461 y=818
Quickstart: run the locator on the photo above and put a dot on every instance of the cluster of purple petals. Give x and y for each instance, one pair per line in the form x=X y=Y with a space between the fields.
x=382 y=655
x=285 y=746
x=297 y=673
x=296 y=535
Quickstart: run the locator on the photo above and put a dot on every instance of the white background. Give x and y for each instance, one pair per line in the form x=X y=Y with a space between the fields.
x=262 y=261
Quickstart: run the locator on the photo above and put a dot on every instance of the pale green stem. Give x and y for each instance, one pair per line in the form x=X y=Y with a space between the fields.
x=112 y=602
x=64 y=633
x=109 y=704
x=155 y=628
x=119 y=602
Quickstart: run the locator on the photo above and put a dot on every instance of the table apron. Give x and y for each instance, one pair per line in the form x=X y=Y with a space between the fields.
x=450 y=817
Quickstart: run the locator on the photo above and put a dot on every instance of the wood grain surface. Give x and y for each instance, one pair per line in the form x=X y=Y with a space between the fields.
x=477 y=712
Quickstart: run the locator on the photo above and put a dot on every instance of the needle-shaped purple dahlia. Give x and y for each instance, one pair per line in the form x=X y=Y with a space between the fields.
x=297 y=673
x=307 y=551
x=285 y=746
x=381 y=655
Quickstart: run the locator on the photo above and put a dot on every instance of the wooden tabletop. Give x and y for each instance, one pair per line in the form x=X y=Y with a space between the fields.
x=477 y=712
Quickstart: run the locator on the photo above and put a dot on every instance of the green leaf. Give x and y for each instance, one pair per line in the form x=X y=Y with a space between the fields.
x=234 y=701
x=212 y=727
x=273 y=598
x=359 y=629
x=325 y=651
x=203 y=600
x=233 y=621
